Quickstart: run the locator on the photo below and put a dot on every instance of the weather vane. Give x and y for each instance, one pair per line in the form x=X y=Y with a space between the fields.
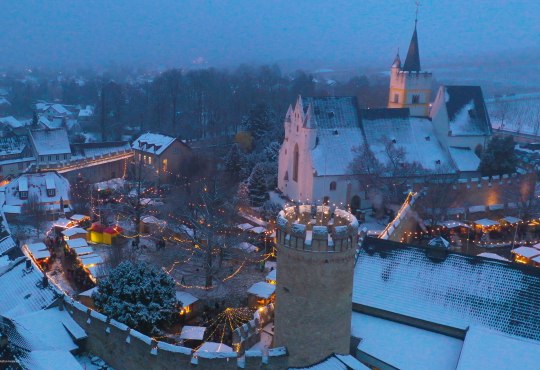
x=416 y=16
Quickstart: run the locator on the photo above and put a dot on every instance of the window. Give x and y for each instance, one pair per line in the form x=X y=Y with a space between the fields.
x=149 y=160
x=0 y=168
x=416 y=99
x=144 y=159
x=165 y=165
x=23 y=194
x=50 y=158
x=396 y=98
x=57 y=157
x=175 y=151
x=326 y=200
x=333 y=186
x=295 y=163
x=20 y=166
x=140 y=157
x=51 y=192
x=65 y=156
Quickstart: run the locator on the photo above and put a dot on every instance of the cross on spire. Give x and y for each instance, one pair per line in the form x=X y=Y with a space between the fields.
x=416 y=15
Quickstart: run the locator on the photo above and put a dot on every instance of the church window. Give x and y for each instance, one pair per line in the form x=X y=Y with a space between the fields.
x=286 y=177
x=295 y=163
x=396 y=98
x=333 y=186
x=416 y=99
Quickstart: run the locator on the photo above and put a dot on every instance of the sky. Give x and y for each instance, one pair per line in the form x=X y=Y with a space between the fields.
x=229 y=32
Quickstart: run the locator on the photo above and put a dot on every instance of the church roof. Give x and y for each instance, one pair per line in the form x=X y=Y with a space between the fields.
x=333 y=111
x=467 y=112
x=397 y=62
x=458 y=291
x=412 y=61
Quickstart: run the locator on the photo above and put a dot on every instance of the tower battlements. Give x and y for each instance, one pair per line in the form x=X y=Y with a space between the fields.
x=317 y=229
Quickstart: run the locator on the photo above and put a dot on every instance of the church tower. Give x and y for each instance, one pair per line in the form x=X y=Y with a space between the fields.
x=410 y=87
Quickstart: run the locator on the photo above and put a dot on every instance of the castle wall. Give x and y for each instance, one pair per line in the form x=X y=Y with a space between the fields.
x=125 y=348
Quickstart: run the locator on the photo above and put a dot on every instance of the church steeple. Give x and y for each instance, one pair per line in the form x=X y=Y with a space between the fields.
x=412 y=62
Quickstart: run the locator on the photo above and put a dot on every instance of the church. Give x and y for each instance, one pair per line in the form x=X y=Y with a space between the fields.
x=323 y=134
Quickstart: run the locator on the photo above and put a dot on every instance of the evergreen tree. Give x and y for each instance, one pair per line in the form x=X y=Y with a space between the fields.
x=35 y=120
x=137 y=295
x=258 y=193
x=260 y=121
x=499 y=158
x=233 y=161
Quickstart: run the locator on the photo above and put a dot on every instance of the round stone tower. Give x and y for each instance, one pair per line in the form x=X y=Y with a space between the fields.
x=315 y=262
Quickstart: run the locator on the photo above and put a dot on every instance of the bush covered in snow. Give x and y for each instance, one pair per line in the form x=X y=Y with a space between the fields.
x=137 y=295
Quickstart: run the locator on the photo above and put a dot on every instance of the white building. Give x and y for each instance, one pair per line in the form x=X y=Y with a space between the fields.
x=321 y=134
x=50 y=146
x=49 y=189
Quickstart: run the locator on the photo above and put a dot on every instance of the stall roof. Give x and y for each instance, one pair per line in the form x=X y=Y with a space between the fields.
x=262 y=289
x=91 y=259
x=527 y=252
x=475 y=209
x=214 y=347
x=493 y=256
x=486 y=222
x=62 y=222
x=97 y=271
x=74 y=231
x=81 y=251
x=450 y=224
x=77 y=243
x=78 y=217
x=89 y=292
x=245 y=226
x=257 y=230
x=271 y=275
x=35 y=247
x=246 y=247
x=185 y=298
x=193 y=332
x=511 y=219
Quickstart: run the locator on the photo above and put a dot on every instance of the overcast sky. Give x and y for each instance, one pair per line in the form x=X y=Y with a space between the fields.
x=228 y=32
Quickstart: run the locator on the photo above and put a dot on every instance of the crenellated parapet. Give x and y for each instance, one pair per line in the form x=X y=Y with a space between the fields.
x=317 y=229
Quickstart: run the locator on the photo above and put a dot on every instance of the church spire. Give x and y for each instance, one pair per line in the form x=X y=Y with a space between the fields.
x=412 y=61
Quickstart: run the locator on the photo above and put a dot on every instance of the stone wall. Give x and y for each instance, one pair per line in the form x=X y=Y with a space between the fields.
x=125 y=348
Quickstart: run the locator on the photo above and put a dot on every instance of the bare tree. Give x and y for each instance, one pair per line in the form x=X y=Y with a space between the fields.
x=439 y=193
x=34 y=210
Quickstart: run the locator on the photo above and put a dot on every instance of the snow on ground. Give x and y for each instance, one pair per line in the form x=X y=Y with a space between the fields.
x=90 y=362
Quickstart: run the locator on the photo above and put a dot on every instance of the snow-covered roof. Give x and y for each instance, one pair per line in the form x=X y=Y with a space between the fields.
x=246 y=247
x=62 y=222
x=50 y=360
x=335 y=362
x=527 y=252
x=271 y=275
x=59 y=108
x=89 y=292
x=257 y=230
x=91 y=259
x=74 y=231
x=22 y=289
x=48 y=142
x=153 y=143
x=486 y=222
x=415 y=135
x=402 y=279
x=262 y=289
x=81 y=251
x=193 y=332
x=452 y=223
x=213 y=347
x=334 y=151
x=467 y=112
x=403 y=346
x=185 y=298
x=36 y=185
x=97 y=271
x=493 y=256
x=11 y=121
x=13 y=145
x=93 y=150
x=88 y=111
x=465 y=159
x=244 y=226
x=488 y=349
x=511 y=219
x=38 y=250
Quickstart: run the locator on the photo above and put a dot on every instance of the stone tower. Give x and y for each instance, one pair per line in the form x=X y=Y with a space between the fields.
x=315 y=263
x=410 y=87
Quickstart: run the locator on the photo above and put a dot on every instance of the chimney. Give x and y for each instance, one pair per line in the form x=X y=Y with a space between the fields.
x=28 y=264
x=45 y=281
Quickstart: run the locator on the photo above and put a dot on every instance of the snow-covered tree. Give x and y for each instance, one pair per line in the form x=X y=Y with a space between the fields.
x=271 y=152
x=233 y=161
x=260 y=121
x=137 y=295
x=499 y=158
x=257 y=186
x=270 y=210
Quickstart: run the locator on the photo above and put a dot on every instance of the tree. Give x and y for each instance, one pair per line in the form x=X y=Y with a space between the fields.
x=260 y=121
x=258 y=192
x=173 y=82
x=233 y=161
x=35 y=211
x=499 y=158
x=139 y=296
x=439 y=194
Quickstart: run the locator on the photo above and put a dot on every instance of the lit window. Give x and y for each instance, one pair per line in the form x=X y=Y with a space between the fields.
x=149 y=160
x=396 y=98
x=165 y=165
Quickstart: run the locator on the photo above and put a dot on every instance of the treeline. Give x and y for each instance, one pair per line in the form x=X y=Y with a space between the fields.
x=190 y=104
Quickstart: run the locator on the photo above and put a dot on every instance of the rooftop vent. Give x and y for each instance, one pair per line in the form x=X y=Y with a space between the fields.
x=394 y=141
x=331 y=114
x=428 y=138
x=335 y=132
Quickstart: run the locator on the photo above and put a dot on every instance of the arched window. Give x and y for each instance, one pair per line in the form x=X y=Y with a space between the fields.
x=295 y=163
x=355 y=204
x=333 y=186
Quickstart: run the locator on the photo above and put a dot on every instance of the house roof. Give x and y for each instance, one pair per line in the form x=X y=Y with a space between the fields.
x=465 y=159
x=262 y=289
x=74 y=231
x=404 y=346
x=153 y=143
x=488 y=349
x=332 y=112
x=185 y=298
x=24 y=289
x=59 y=108
x=50 y=141
x=335 y=362
x=11 y=121
x=467 y=112
x=458 y=291
x=412 y=61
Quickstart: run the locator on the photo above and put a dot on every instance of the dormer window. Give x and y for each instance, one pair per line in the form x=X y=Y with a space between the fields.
x=335 y=132
x=51 y=193
x=428 y=138
x=23 y=194
x=394 y=141
x=438 y=161
x=472 y=113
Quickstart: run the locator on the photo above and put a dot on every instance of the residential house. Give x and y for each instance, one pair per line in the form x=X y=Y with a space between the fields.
x=50 y=146
x=15 y=156
x=49 y=190
x=165 y=154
